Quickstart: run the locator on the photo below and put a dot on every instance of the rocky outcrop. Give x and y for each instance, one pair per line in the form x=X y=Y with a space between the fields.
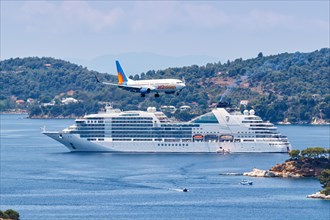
x=268 y=173
x=319 y=195
x=256 y=173
x=293 y=168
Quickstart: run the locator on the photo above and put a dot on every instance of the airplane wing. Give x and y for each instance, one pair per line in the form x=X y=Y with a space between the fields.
x=140 y=89
x=130 y=88
x=122 y=86
x=106 y=83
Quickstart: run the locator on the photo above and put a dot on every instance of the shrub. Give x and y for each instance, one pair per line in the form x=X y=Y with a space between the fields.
x=12 y=214
x=326 y=191
x=3 y=215
x=294 y=154
x=324 y=179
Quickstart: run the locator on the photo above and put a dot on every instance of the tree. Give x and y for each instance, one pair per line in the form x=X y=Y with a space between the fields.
x=314 y=152
x=324 y=179
x=12 y=214
x=294 y=154
x=3 y=214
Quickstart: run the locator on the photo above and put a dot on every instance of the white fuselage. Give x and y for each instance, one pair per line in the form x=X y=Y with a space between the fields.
x=158 y=85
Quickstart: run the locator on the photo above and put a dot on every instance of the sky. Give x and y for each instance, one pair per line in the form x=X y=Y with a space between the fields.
x=220 y=29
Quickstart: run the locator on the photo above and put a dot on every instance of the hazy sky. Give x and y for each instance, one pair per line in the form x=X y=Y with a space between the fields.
x=224 y=29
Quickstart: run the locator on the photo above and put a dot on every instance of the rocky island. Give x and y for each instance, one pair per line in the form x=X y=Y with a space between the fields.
x=311 y=162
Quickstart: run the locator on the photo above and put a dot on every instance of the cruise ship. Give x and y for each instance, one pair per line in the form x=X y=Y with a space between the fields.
x=223 y=130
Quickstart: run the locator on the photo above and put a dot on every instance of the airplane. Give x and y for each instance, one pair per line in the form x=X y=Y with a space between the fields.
x=169 y=86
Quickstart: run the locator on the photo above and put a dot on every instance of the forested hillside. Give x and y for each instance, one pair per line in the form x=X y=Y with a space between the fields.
x=293 y=87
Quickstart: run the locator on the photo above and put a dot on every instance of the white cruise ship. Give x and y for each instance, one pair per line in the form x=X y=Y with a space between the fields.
x=222 y=130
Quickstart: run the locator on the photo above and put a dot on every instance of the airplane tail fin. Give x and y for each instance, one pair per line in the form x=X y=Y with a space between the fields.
x=122 y=78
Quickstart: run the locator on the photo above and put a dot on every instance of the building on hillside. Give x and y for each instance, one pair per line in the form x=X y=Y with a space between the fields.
x=185 y=108
x=69 y=100
x=169 y=108
x=30 y=100
x=20 y=101
x=70 y=93
x=52 y=103
x=244 y=102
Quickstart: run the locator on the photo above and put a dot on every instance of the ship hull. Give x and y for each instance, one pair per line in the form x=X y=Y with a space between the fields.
x=76 y=144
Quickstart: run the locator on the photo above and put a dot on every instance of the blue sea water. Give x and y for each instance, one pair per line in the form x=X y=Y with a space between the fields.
x=42 y=180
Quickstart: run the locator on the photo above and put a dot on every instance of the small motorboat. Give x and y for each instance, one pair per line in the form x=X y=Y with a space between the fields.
x=185 y=190
x=246 y=182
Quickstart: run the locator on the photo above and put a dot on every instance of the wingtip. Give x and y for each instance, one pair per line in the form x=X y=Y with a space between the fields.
x=97 y=80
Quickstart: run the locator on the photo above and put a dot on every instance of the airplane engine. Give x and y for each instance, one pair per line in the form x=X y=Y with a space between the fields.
x=144 y=90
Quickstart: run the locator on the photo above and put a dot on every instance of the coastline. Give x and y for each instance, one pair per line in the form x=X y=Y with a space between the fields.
x=306 y=167
x=301 y=167
x=52 y=117
x=303 y=123
x=318 y=195
x=14 y=113
x=25 y=112
x=267 y=173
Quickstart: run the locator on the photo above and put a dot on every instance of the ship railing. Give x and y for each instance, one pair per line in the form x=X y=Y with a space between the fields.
x=282 y=140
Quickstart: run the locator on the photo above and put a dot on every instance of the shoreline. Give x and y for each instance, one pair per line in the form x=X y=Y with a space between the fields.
x=24 y=112
x=50 y=117
x=318 y=195
x=270 y=174
x=308 y=163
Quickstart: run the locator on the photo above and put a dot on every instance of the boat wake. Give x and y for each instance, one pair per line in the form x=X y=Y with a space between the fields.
x=178 y=189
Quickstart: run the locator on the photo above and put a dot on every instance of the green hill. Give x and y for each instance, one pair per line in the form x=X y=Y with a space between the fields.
x=293 y=86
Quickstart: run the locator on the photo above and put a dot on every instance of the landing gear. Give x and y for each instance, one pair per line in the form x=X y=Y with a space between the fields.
x=143 y=95
x=157 y=95
x=178 y=92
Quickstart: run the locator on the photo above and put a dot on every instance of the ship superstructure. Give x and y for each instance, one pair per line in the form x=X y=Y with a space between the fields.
x=221 y=130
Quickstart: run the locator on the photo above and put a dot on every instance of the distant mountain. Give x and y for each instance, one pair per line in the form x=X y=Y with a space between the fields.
x=290 y=87
x=136 y=63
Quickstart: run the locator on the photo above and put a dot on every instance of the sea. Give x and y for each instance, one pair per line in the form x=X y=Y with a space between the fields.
x=41 y=179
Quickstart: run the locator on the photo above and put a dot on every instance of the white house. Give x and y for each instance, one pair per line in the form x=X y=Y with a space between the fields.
x=244 y=102
x=69 y=100
x=185 y=108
